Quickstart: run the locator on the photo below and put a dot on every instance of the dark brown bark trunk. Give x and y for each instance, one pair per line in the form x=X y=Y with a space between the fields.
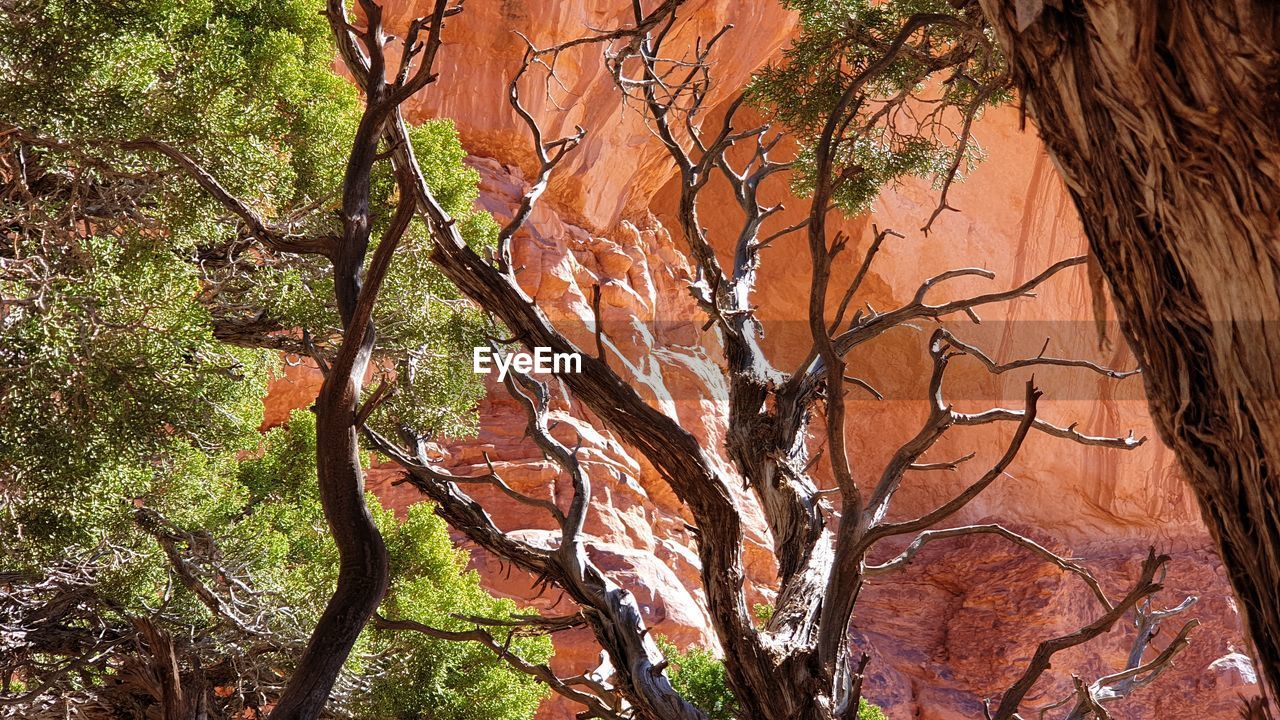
x=363 y=572
x=1164 y=119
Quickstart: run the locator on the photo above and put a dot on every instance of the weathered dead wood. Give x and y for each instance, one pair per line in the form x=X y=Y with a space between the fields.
x=1142 y=589
x=800 y=666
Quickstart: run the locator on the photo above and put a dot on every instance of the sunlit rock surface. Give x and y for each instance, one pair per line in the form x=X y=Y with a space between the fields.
x=958 y=625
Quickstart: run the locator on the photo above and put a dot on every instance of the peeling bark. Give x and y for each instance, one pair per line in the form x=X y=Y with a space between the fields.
x=1164 y=119
x=800 y=666
x=363 y=571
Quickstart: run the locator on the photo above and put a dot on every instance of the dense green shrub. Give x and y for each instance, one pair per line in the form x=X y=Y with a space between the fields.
x=837 y=42
x=139 y=330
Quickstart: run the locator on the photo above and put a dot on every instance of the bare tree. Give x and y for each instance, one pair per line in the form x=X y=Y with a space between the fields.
x=801 y=664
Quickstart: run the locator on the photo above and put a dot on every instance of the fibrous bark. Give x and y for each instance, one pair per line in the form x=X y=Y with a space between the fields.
x=1164 y=119
x=801 y=665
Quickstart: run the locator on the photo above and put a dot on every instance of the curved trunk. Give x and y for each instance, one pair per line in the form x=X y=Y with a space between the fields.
x=363 y=570
x=363 y=565
x=1163 y=117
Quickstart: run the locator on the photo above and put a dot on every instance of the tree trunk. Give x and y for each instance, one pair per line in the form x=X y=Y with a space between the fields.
x=1164 y=119
x=363 y=567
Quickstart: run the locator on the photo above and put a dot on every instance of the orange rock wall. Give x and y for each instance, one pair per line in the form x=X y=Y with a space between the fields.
x=957 y=626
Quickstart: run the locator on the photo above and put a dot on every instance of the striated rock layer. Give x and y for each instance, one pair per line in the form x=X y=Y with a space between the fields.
x=959 y=624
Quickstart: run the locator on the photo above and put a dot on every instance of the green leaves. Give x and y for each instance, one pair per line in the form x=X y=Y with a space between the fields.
x=114 y=377
x=415 y=676
x=132 y=267
x=431 y=678
x=907 y=112
x=699 y=676
x=119 y=274
x=425 y=329
x=242 y=86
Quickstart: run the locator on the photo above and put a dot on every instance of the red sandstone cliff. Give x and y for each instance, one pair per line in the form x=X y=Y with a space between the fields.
x=955 y=627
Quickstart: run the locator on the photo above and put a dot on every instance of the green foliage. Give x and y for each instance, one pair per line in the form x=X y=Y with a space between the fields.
x=117 y=272
x=838 y=43
x=763 y=613
x=416 y=677
x=109 y=367
x=425 y=332
x=107 y=392
x=245 y=88
x=430 y=678
x=867 y=711
x=698 y=675
x=264 y=517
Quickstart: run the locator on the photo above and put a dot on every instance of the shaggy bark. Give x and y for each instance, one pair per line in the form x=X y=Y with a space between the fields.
x=801 y=665
x=1164 y=120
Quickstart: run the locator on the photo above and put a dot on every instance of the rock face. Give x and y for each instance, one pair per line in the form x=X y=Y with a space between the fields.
x=959 y=624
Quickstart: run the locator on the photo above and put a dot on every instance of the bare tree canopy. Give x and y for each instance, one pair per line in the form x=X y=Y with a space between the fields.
x=861 y=118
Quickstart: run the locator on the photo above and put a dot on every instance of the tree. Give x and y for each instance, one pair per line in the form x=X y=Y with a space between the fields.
x=801 y=663
x=215 y=574
x=139 y=328
x=1161 y=119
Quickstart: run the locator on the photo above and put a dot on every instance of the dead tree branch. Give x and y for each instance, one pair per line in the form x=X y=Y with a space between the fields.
x=801 y=665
